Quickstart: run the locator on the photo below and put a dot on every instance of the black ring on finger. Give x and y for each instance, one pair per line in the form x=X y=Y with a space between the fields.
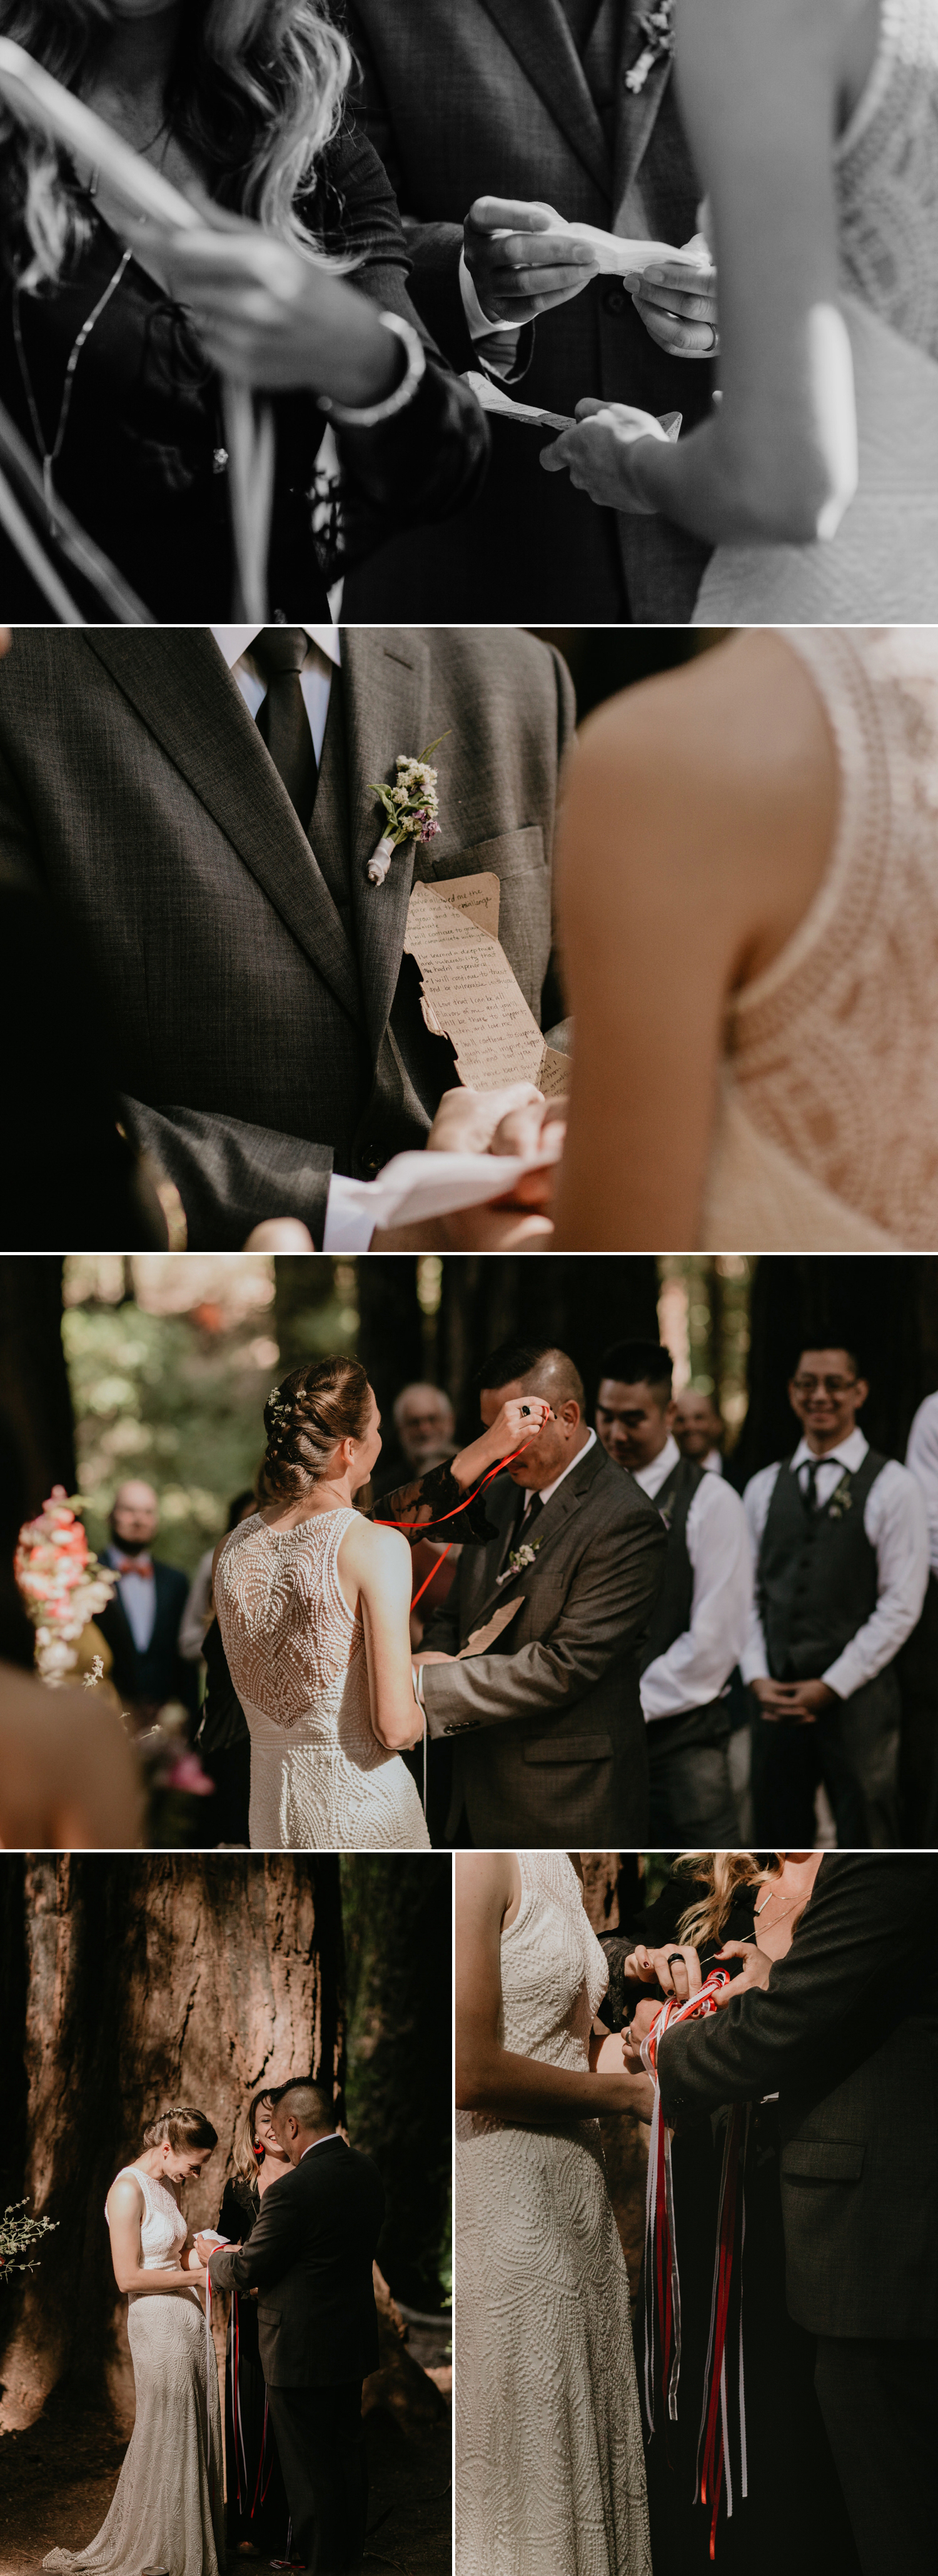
x=674 y=1954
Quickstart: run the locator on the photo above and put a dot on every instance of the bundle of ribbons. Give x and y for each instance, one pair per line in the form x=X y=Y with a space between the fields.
x=425 y=1528
x=714 y=2470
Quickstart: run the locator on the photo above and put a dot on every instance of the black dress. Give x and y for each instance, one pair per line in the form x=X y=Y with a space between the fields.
x=793 y=2521
x=143 y=465
x=257 y=2507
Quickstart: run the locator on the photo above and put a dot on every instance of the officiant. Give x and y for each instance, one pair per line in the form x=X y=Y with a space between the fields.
x=700 y=1619
x=112 y=348
x=483 y=115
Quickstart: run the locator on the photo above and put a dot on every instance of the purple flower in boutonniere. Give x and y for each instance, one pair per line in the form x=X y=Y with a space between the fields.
x=519 y=1558
x=657 y=27
x=411 y=807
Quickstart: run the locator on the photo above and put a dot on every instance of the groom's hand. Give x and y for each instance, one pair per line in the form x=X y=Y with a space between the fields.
x=521 y=259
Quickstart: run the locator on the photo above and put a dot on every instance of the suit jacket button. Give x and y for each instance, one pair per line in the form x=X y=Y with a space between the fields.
x=614 y=300
x=370 y=1159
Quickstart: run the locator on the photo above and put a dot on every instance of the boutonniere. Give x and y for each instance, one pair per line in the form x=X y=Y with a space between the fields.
x=657 y=27
x=519 y=1558
x=841 y=1500
x=411 y=806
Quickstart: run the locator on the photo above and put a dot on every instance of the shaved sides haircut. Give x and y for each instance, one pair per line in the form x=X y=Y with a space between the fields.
x=307 y=2104
x=539 y=1367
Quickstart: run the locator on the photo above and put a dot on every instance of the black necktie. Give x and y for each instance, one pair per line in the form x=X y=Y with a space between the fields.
x=580 y=16
x=809 y=1488
x=282 y=721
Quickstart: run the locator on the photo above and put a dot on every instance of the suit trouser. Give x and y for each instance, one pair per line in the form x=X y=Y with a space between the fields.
x=321 y=2445
x=879 y=2401
x=692 y=1802
x=854 y=1748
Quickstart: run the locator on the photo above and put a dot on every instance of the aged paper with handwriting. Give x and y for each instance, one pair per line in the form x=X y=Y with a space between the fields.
x=470 y=994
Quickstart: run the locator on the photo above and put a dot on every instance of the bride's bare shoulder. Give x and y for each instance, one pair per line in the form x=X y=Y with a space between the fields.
x=713 y=785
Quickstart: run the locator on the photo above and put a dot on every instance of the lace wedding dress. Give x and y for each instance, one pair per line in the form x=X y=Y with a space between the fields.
x=551 y=2477
x=827 y=1131
x=883 y=562
x=168 y=2508
x=320 y=1781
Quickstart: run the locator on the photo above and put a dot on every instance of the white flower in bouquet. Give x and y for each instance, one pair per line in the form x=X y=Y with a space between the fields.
x=411 y=807
x=61 y=1584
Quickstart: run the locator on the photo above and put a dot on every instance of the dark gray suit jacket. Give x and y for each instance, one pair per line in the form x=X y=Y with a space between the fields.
x=548 y=1734
x=309 y=2256
x=265 y=1025
x=847 y=2033
x=490 y=97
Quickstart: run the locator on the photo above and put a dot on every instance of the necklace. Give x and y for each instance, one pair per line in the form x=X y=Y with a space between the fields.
x=767 y=1900
x=49 y=457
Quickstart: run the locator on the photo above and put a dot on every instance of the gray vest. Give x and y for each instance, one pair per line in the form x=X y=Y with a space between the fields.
x=671 y=1614
x=817 y=1577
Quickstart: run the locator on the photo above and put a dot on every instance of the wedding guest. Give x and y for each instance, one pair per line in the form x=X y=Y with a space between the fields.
x=552 y=1704
x=480 y=114
x=143 y=1619
x=257 y=2513
x=699 y=1429
x=114 y=338
x=699 y=1622
x=425 y=1433
x=814 y=477
x=255 y=911
x=840 y=1539
x=918 y=1663
x=763 y=817
x=198 y=1610
x=845 y=2035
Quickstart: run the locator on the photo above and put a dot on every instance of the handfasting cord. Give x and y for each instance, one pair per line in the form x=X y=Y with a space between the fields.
x=662 y=2279
x=423 y=1527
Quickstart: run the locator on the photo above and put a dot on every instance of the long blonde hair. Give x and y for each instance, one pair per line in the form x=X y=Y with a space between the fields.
x=243 y=2157
x=725 y=1873
x=256 y=91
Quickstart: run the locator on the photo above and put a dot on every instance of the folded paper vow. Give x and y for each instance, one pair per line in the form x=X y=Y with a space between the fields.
x=415 y=1187
x=482 y=1638
x=492 y=398
x=469 y=993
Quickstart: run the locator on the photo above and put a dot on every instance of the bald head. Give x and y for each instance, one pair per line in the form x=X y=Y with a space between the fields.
x=135 y=1514
x=299 y=2115
x=423 y=1420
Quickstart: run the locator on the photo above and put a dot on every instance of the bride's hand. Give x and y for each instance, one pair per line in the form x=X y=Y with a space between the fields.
x=757 y=1970
x=598 y=453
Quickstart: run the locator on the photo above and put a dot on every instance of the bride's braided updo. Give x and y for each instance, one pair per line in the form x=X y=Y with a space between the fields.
x=182 y=2128
x=305 y=1417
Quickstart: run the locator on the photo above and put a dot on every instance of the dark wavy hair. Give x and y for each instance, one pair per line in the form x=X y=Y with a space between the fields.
x=305 y=1417
x=255 y=91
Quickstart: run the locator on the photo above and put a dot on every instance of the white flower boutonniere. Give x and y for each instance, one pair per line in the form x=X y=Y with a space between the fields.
x=519 y=1558
x=841 y=1500
x=411 y=806
x=657 y=27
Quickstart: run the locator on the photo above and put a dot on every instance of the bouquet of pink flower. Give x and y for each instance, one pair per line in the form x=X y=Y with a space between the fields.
x=61 y=1583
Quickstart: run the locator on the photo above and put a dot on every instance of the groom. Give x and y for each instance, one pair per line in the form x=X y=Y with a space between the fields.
x=549 y=1742
x=196 y=809
x=309 y=2257
x=846 y=2033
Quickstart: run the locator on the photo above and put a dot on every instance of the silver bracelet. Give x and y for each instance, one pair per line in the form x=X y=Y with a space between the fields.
x=372 y=413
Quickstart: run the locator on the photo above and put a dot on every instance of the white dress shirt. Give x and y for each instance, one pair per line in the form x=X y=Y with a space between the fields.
x=324 y=2141
x=499 y=357
x=921 y=1458
x=895 y=1523
x=137 y=1596
x=696 y=1668
x=346 y=1228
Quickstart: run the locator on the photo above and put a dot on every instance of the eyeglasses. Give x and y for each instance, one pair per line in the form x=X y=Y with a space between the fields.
x=825 y=1385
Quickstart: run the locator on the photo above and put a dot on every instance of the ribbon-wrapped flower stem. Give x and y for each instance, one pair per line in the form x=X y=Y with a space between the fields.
x=411 y=807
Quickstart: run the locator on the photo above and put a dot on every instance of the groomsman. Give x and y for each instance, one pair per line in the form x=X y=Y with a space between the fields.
x=700 y=1619
x=841 y=1544
x=534 y=102
x=698 y=1429
x=143 y=1620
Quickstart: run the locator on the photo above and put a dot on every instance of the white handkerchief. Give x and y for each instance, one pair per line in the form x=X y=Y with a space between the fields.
x=416 y=1186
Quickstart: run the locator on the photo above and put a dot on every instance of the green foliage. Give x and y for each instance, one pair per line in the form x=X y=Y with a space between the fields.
x=161 y=1396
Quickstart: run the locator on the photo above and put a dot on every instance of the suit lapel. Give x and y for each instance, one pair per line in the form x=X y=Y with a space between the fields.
x=636 y=117
x=386 y=695
x=548 y=1528
x=540 y=39
x=178 y=682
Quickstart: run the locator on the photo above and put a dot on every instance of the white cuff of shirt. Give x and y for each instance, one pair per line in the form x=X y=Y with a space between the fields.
x=347 y=1228
x=836 y=1677
x=417 y=1677
x=479 y=324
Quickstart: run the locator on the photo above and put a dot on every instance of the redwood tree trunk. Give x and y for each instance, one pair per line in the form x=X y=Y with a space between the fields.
x=398 y=1946
x=135 y=1982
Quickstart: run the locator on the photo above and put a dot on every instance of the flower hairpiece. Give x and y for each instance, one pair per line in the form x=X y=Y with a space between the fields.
x=277 y=1407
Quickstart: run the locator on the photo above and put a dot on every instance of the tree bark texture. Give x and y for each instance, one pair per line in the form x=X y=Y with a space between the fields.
x=132 y=1984
x=398 y=1932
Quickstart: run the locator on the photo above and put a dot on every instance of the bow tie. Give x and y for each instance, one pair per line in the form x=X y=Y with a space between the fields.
x=135 y=1565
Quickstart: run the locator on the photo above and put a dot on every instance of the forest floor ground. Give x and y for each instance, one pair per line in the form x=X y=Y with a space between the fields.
x=58 y=2478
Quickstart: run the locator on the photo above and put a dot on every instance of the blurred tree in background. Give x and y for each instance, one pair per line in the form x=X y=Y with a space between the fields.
x=398 y=1945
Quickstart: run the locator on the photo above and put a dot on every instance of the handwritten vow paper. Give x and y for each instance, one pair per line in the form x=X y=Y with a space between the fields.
x=469 y=991
x=482 y=1638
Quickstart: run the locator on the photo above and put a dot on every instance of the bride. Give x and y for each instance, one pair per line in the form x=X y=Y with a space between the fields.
x=812 y=123
x=748 y=899
x=549 y=2435
x=168 y=2509
x=313 y=1604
